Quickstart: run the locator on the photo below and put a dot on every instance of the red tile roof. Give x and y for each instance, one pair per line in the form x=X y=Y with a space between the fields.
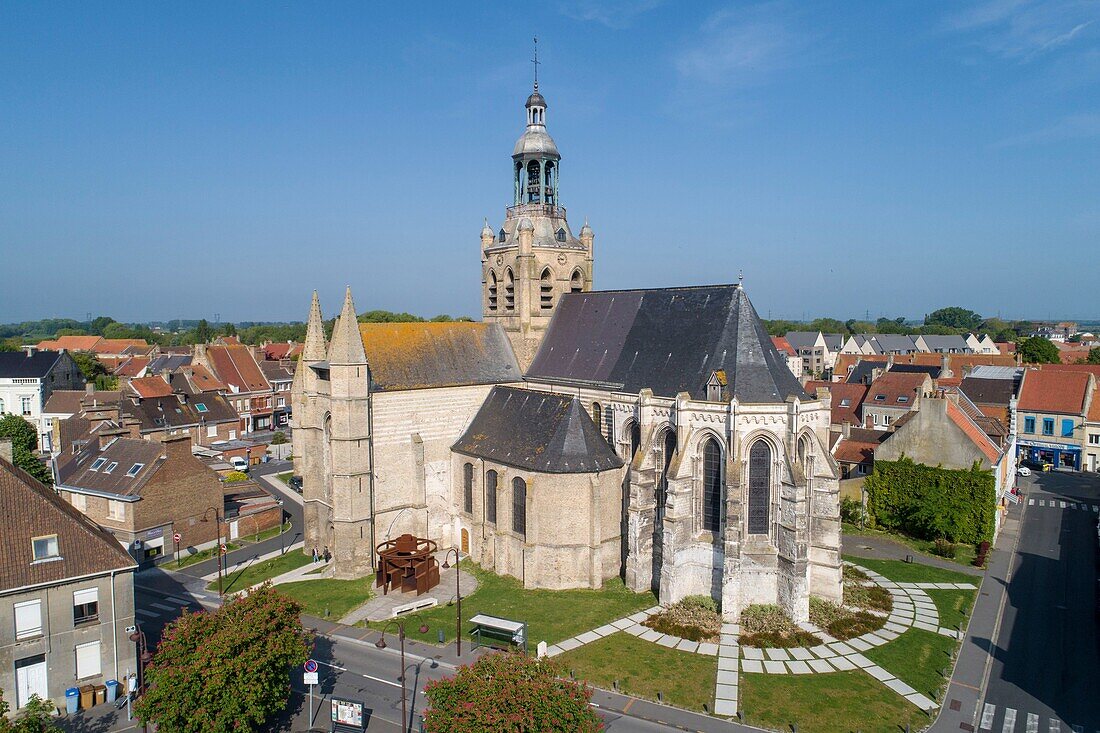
x=276 y=351
x=70 y=343
x=148 y=387
x=236 y=366
x=842 y=392
x=1093 y=369
x=202 y=379
x=783 y=345
x=1050 y=390
x=893 y=385
x=977 y=436
x=132 y=367
x=117 y=346
x=855 y=451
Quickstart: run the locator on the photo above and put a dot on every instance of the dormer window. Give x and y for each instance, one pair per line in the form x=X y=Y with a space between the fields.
x=45 y=547
x=561 y=235
x=715 y=386
x=503 y=235
x=845 y=402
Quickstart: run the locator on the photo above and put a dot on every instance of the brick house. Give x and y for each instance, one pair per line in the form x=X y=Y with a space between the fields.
x=280 y=375
x=142 y=491
x=246 y=387
x=66 y=594
x=893 y=395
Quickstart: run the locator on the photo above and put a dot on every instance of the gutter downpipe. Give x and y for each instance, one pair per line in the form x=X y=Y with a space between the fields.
x=114 y=623
x=370 y=457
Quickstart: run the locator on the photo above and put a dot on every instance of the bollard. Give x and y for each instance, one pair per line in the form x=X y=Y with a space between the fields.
x=706 y=710
x=615 y=685
x=659 y=696
x=571 y=675
x=440 y=635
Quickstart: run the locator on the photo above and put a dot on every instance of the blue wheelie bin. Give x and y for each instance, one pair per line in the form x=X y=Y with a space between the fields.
x=112 y=690
x=72 y=700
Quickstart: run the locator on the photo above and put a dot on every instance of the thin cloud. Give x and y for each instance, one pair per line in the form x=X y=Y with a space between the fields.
x=740 y=47
x=1023 y=30
x=1072 y=127
x=615 y=14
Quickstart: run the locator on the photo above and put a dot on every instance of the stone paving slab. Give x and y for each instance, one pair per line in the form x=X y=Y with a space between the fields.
x=752 y=665
x=965 y=586
x=728 y=638
x=775 y=668
x=889 y=635
x=751 y=652
x=927 y=626
x=779 y=655
x=687 y=645
x=896 y=628
x=799 y=668
x=841 y=648
x=820 y=665
x=568 y=644
x=899 y=687
x=651 y=611
x=651 y=635
x=711 y=650
x=623 y=623
x=800 y=653
x=921 y=701
x=588 y=637
x=669 y=641
x=859 y=644
x=605 y=630
x=731 y=628
x=860 y=661
x=727 y=663
x=823 y=652
x=637 y=629
x=875 y=638
x=842 y=663
x=725 y=692
x=725 y=708
x=878 y=673
x=727 y=677
x=553 y=650
x=638 y=617
x=949 y=632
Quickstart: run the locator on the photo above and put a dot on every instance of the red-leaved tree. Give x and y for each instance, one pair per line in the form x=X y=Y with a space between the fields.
x=228 y=670
x=509 y=693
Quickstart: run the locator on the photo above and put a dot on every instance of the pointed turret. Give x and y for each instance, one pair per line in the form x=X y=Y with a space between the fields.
x=346 y=347
x=314 y=347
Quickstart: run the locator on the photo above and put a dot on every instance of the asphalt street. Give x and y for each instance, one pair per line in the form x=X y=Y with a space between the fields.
x=1044 y=675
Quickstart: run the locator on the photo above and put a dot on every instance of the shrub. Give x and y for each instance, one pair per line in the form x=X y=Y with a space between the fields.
x=854 y=573
x=278 y=438
x=943 y=548
x=872 y=597
x=843 y=623
x=851 y=511
x=695 y=618
x=768 y=626
x=235 y=477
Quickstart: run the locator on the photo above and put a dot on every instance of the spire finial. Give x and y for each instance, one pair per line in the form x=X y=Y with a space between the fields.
x=740 y=276
x=535 y=61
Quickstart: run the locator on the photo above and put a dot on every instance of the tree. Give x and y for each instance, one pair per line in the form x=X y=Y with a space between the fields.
x=203 y=333
x=227 y=670
x=24 y=443
x=1038 y=350
x=1094 y=356
x=278 y=438
x=511 y=693
x=90 y=366
x=96 y=325
x=954 y=317
x=35 y=717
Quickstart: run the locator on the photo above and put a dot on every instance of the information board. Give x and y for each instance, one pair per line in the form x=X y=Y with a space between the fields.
x=347 y=712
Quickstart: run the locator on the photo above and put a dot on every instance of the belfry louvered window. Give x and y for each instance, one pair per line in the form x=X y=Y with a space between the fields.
x=492 y=290
x=509 y=291
x=546 y=290
x=760 y=461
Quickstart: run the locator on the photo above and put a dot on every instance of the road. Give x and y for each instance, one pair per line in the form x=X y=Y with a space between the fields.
x=1044 y=674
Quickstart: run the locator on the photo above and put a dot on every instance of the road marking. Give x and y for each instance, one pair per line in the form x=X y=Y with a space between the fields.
x=1010 y=721
x=1031 y=502
x=178 y=600
x=1032 y=723
x=150 y=614
x=162 y=607
x=1055 y=725
x=987 y=717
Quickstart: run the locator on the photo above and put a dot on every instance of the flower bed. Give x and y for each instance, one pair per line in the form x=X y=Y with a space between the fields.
x=867 y=596
x=765 y=626
x=694 y=618
x=843 y=623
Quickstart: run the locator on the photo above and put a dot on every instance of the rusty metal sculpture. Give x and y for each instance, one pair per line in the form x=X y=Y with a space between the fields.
x=407 y=564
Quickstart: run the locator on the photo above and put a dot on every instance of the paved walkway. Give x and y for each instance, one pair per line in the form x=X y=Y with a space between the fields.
x=884 y=548
x=381 y=606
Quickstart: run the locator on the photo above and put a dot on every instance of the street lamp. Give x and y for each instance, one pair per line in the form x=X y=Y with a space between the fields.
x=458 y=595
x=381 y=644
x=281 y=523
x=218 y=549
x=144 y=657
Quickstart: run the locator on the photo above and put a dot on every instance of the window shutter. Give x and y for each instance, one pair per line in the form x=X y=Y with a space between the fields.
x=87 y=595
x=87 y=660
x=28 y=619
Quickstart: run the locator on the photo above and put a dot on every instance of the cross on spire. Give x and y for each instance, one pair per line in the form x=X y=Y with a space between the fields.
x=535 y=61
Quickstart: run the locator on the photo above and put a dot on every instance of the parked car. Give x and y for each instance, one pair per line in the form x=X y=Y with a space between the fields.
x=296 y=483
x=1023 y=471
x=239 y=464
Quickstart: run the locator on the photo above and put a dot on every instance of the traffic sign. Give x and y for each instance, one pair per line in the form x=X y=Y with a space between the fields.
x=310 y=665
x=177 y=537
x=223 y=548
x=310 y=678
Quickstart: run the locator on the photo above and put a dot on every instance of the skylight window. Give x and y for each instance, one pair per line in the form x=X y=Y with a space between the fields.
x=111 y=466
x=845 y=402
x=134 y=469
x=201 y=407
x=880 y=398
x=903 y=398
x=97 y=464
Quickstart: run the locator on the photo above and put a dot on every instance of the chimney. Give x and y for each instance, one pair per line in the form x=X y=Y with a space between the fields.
x=132 y=426
x=177 y=446
x=945 y=367
x=6 y=450
x=846 y=429
x=30 y=350
x=89 y=389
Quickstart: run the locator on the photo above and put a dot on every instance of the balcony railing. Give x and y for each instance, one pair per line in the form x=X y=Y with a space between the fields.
x=536 y=209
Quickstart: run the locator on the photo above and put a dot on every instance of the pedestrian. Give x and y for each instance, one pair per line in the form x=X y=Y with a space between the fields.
x=314 y=554
x=327 y=555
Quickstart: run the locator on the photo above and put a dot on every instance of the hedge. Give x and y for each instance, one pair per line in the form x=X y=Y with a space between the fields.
x=930 y=502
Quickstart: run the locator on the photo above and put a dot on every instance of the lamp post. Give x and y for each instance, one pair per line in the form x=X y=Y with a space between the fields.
x=281 y=523
x=458 y=596
x=381 y=644
x=218 y=548
x=144 y=657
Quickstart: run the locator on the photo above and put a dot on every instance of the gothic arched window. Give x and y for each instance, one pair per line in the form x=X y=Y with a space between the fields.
x=597 y=416
x=760 y=476
x=491 y=496
x=576 y=282
x=546 y=290
x=492 y=290
x=468 y=488
x=712 y=485
x=668 y=452
x=519 y=506
x=509 y=290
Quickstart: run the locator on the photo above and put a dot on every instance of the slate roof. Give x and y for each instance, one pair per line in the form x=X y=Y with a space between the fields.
x=988 y=391
x=888 y=342
x=424 y=355
x=17 y=365
x=276 y=371
x=669 y=340
x=125 y=452
x=1047 y=390
x=169 y=362
x=801 y=339
x=70 y=401
x=537 y=431
x=946 y=342
x=29 y=509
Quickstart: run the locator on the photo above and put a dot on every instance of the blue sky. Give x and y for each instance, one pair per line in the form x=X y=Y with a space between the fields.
x=180 y=160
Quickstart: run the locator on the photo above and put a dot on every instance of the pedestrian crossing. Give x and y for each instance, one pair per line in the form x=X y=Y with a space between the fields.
x=1011 y=718
x=1080 y=506
x=169 y=607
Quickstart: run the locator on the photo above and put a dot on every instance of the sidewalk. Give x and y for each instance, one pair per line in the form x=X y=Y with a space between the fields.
x=883 y=548
x=252 y=560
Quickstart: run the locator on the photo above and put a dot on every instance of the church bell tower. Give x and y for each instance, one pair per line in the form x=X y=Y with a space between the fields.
x=534 y=257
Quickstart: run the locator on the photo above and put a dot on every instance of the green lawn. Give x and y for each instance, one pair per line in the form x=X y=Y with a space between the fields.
x=249 y=575
x=643 y=669
x=965 y=553
x=551 y=615
x=201 y=555
x=904 y=572
x=954 y=606
x=285 y=477
x=917 y=657
x=336 y=596
x=840 y=702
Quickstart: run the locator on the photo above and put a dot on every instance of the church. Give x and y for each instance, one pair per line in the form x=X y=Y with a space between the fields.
x=572 y=435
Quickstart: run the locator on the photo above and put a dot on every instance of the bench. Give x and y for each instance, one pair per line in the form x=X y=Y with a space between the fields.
x=500 y=629
x=417 y=605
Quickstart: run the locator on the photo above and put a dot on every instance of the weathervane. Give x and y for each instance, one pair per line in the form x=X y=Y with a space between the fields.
x=535 y=61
